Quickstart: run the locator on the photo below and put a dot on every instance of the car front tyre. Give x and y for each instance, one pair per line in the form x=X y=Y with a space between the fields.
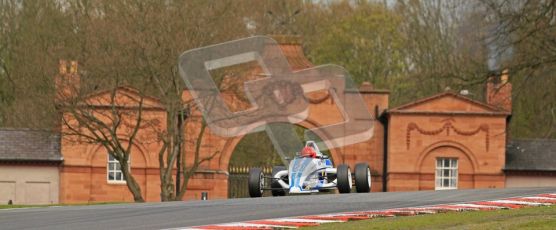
x=256 y=182
x=362 y=178
x=343 y=179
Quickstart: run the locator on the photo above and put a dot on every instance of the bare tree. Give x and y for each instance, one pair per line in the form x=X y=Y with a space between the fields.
x=523 y=40
x=29 y=49
x=147 y=38
x=112 y=122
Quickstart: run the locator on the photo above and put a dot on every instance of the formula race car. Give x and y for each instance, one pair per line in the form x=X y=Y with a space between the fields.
x=309 y=172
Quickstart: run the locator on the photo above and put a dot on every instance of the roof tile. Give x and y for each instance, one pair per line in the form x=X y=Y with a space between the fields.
x=29 y=145
x=531 y=155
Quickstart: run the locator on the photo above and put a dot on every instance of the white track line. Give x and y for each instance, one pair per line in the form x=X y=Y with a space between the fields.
x=300 y=220
x=336 y=215
x=243 y=224
x=537 y=198
x=478 y=206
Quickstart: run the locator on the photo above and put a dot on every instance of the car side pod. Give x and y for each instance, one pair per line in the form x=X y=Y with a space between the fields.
x=344 y=178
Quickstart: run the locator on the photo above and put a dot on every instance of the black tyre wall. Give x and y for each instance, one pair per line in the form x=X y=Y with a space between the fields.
x=255 y=182
x=343 y=178
x=362 y=184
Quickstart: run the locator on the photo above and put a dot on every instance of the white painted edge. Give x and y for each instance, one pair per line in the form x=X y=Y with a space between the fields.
x=519 y=202
x=300 y=220
x=479 y=206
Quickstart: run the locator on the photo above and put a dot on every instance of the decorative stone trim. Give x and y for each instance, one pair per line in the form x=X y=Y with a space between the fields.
x=446 y=127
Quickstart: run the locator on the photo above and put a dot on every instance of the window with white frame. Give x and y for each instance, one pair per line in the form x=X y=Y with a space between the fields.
x=114 y=170
x=446 y=173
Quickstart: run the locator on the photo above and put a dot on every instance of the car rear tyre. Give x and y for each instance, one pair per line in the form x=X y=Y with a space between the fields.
x=362 y=178
x=275 y=184
x=256 y=182
x=343 y=175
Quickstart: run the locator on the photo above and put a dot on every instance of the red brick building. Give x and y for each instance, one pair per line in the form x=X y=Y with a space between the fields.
x=445 y=141
x=446 y=131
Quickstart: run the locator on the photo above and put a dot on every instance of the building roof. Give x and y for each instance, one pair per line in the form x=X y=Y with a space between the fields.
x=29 y=145
x=531 y=155
x=448 y=102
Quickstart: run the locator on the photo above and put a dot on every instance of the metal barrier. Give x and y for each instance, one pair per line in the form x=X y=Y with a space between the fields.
x=238 y=180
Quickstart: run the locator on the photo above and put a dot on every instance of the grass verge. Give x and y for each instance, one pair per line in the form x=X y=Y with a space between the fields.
x=524 y=218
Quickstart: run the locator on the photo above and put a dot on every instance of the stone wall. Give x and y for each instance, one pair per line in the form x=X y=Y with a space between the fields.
x=29 y=184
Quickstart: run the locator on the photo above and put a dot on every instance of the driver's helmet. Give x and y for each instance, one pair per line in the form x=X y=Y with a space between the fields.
x=308 y=152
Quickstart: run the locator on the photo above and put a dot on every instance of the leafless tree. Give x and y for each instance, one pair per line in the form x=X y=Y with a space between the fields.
x=112 y=120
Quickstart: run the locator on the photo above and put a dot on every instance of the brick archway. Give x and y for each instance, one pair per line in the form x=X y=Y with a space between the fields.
x=99 y=149
x=429 y=150
x=323 y=110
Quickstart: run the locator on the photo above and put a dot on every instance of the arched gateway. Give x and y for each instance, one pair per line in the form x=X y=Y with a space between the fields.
x=322 y=111
x=214 y=177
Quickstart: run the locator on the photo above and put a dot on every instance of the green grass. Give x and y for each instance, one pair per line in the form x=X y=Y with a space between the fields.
x=525 y=218
x=7 y=206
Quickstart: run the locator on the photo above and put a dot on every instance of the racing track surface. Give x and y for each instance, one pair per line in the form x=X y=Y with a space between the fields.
x=192 y=213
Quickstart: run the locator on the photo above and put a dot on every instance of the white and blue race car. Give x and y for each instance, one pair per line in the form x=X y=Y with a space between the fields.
x=309 y=172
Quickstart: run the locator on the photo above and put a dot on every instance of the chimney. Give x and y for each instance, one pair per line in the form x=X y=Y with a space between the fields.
x=67 y=81
x=366 y=87
x=499 y=91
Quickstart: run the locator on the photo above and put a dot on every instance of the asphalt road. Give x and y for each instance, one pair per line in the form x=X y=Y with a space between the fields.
x=192 y=213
